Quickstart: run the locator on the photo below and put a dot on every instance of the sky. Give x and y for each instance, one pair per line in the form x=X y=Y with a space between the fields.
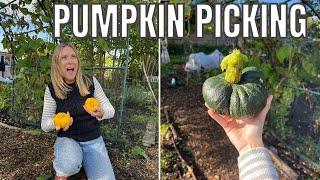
x=44 y=36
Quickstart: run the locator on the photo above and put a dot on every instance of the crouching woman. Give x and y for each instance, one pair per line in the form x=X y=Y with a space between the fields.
x=79 y=142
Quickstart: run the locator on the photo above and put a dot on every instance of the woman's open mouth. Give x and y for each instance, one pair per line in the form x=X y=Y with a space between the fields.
x=70 y=69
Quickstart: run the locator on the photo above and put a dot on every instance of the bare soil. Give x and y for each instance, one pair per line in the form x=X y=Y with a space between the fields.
x=25 y=155
x=211 y=155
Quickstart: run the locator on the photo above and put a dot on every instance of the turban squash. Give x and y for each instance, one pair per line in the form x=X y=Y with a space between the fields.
x=238 y=92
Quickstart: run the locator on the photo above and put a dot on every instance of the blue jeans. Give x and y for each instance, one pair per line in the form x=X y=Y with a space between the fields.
x=70 y=155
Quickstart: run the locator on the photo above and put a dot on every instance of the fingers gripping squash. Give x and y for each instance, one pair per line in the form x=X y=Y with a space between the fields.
x=237 y=92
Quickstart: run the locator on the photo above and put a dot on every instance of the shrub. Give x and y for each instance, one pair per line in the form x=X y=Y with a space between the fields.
x=5 y=97
x=137 y=95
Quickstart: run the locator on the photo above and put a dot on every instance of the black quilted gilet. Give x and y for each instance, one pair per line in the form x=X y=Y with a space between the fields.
x=84 y=126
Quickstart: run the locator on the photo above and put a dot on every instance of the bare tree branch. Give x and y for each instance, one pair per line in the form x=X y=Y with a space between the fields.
x=26 y=32
x=287 y=1
x=311 y=7
x=45 y=11
x=8 y=4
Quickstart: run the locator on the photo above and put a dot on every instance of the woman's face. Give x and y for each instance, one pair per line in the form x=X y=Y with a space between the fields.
x=68 y=64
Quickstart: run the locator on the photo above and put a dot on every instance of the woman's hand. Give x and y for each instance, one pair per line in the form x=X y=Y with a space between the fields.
x=244 y=134
x=98 y=113
x=67 y=127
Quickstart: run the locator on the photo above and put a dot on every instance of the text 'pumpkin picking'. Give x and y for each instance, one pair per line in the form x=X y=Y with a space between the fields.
x=238 y=92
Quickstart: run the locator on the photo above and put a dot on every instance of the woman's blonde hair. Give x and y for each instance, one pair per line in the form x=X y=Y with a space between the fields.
x=61 y=88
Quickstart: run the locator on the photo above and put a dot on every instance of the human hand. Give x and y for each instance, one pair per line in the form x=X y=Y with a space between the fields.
x=246 y=133
x=98 y=113
x=67 y=127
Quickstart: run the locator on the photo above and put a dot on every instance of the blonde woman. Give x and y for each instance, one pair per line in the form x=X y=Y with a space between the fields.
x=80 y=143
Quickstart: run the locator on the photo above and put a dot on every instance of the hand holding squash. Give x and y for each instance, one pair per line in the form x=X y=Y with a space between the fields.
x=62 y=121
x=92 y=106
x=245 y=134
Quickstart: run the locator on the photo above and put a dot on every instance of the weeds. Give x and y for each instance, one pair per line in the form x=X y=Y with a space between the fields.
x=137 y=151
x=137 y=95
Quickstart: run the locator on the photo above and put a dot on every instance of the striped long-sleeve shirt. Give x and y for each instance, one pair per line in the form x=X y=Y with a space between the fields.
x=49 y=107
x=256 y=164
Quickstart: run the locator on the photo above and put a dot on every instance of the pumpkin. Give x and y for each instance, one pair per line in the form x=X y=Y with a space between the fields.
x=62 y=119
x=92 y=104
x=239 y=92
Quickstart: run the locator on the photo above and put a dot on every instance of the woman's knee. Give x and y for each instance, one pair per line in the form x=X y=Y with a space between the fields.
x=96 y=160
x=67 y=168
x=68 y=157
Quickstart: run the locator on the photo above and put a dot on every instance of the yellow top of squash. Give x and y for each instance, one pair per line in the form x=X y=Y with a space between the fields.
x=233 y=64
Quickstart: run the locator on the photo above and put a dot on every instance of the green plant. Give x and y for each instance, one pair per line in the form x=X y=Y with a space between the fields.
x=137 y=95
x=45 y=177
x=177 y=59
x=290 y=68
x=5 y=97
x=139 y=152
x=166 y=160
x=109 y=132
x=210 y=73
x=36 y=132
x=165 y=132
x=166 y=69
x=186 y=149
x=138 y=118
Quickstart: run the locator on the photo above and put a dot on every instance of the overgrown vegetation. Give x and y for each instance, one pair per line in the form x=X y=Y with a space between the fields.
x=166 y=161
x=28 y=36
x=138 y=95
x=28 y=26
x=4 y=97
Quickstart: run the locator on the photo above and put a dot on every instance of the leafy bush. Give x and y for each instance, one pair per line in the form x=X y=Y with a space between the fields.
x=291 y=69
x=137 y=95
x=5 y=92
x=29 y=89
x=166 y=69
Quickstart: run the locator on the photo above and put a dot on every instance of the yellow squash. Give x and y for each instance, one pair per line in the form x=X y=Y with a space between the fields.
x=92 y=104
x=62 y=119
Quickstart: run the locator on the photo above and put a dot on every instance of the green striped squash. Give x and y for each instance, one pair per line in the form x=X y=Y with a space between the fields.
x=243 y=99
